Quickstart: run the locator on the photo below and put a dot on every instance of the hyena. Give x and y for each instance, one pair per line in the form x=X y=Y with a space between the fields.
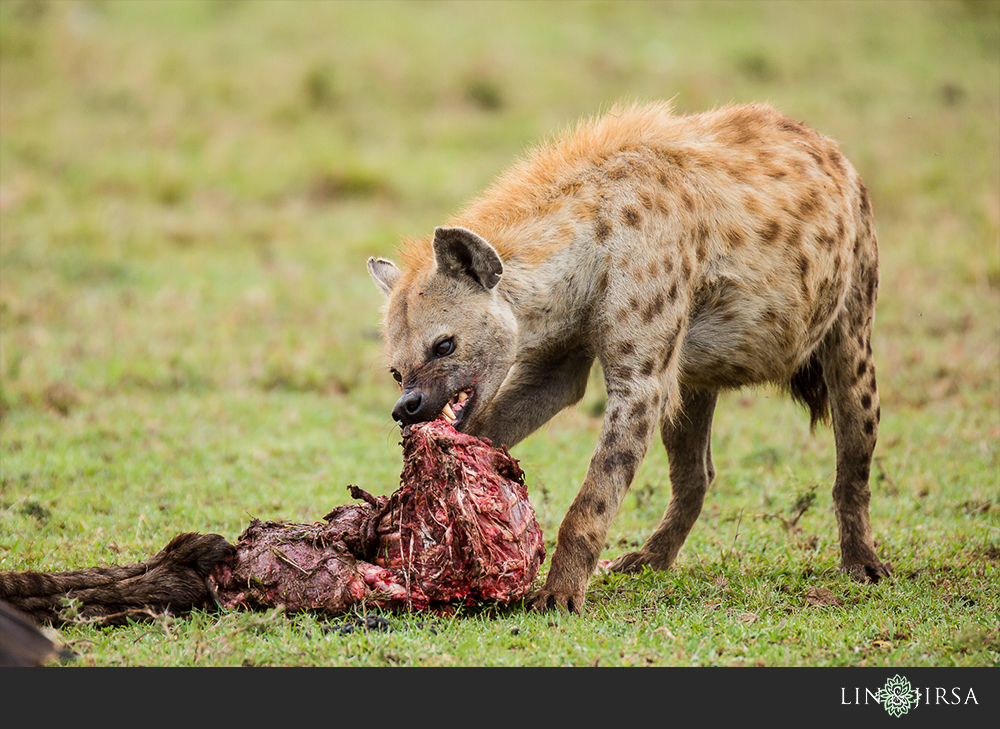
x=687 y=255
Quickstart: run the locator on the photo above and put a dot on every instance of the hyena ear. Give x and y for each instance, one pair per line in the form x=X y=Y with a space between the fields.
x=461 y=253
x=384 y=273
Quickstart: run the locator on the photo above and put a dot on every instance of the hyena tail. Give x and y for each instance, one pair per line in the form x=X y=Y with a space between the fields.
x=808 y=387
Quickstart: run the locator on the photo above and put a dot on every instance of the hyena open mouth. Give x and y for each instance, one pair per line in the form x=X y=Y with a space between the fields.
x=454 y=411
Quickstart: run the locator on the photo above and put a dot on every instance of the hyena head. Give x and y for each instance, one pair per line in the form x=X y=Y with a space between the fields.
x=450 y=336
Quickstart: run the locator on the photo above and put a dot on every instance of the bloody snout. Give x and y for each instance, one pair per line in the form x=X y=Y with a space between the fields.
x=412 y=407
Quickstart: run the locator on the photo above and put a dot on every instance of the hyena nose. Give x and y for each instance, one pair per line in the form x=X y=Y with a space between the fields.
x=411 y=408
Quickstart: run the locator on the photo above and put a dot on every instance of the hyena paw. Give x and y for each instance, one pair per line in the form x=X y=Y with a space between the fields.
x=546 y=600
x=866 y=573
x=631 y=562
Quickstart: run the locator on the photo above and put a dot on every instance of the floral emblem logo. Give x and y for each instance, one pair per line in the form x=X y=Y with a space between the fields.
x=897 y=696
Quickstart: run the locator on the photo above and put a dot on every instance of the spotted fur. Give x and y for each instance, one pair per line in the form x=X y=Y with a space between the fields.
x=686 y=254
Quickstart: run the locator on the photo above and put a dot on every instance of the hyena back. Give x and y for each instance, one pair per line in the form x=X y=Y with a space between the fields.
x=687 y=255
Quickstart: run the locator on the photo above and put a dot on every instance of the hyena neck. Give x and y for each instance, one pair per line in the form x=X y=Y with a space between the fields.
x=549 y=295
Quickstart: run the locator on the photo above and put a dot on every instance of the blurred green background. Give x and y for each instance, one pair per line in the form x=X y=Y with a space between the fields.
x=189 y=190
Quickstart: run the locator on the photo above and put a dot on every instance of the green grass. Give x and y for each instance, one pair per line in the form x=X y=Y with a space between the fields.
x=189 y=339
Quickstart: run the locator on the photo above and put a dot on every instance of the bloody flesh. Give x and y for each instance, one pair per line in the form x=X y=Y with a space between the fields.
x=460 y=529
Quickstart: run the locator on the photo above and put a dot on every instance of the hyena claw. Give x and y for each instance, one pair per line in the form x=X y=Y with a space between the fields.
x=542 y=601
x=630 y=563
x=868 y=573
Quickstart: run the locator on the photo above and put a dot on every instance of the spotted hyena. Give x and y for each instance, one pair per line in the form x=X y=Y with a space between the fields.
x=687 y=255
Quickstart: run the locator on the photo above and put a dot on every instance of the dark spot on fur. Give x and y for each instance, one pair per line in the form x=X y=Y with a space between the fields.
x=647 y=367
x=638 y=410
x=793 y=127
x=866 y=401
x=661 y=205
x=620 y=171
x=602 y=230
x=702 y=251
x=701 y=233
x=862 y=367
x=623 y=460
x=631 y=217
x=627 y=348
x=668 y=352
x=646 y=200
x=770 y=232
x=809 y=204
x=623 y=374
x=870 y=427
x=866 y=204
x=654 y=309
x=734 y=236
x=571 y=188
x=640 y=430
x=687 y=200
x=737 y=172
x=837 y=160
x=611 y=438
x=586 y=544
x=673 y=158
x=600 y=506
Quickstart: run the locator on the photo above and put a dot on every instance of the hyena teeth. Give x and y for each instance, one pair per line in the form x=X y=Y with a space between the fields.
x=449 y=414
x=462 y=396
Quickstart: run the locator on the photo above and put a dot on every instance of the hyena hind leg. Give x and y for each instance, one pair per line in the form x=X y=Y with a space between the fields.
x=849 y=373
x=688 y=443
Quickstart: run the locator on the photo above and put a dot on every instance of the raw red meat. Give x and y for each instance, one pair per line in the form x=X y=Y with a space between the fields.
x=459 y=530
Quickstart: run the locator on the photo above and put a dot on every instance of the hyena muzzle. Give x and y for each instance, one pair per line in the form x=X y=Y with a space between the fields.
x=685 y=254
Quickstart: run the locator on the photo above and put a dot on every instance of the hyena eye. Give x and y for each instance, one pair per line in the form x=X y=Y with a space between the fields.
x=397 y=377
x=444 y=347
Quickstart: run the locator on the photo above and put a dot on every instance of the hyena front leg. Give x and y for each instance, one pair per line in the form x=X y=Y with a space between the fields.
x=849 y=373
x=687 y=438
x=538 y=391
x=628 y=426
